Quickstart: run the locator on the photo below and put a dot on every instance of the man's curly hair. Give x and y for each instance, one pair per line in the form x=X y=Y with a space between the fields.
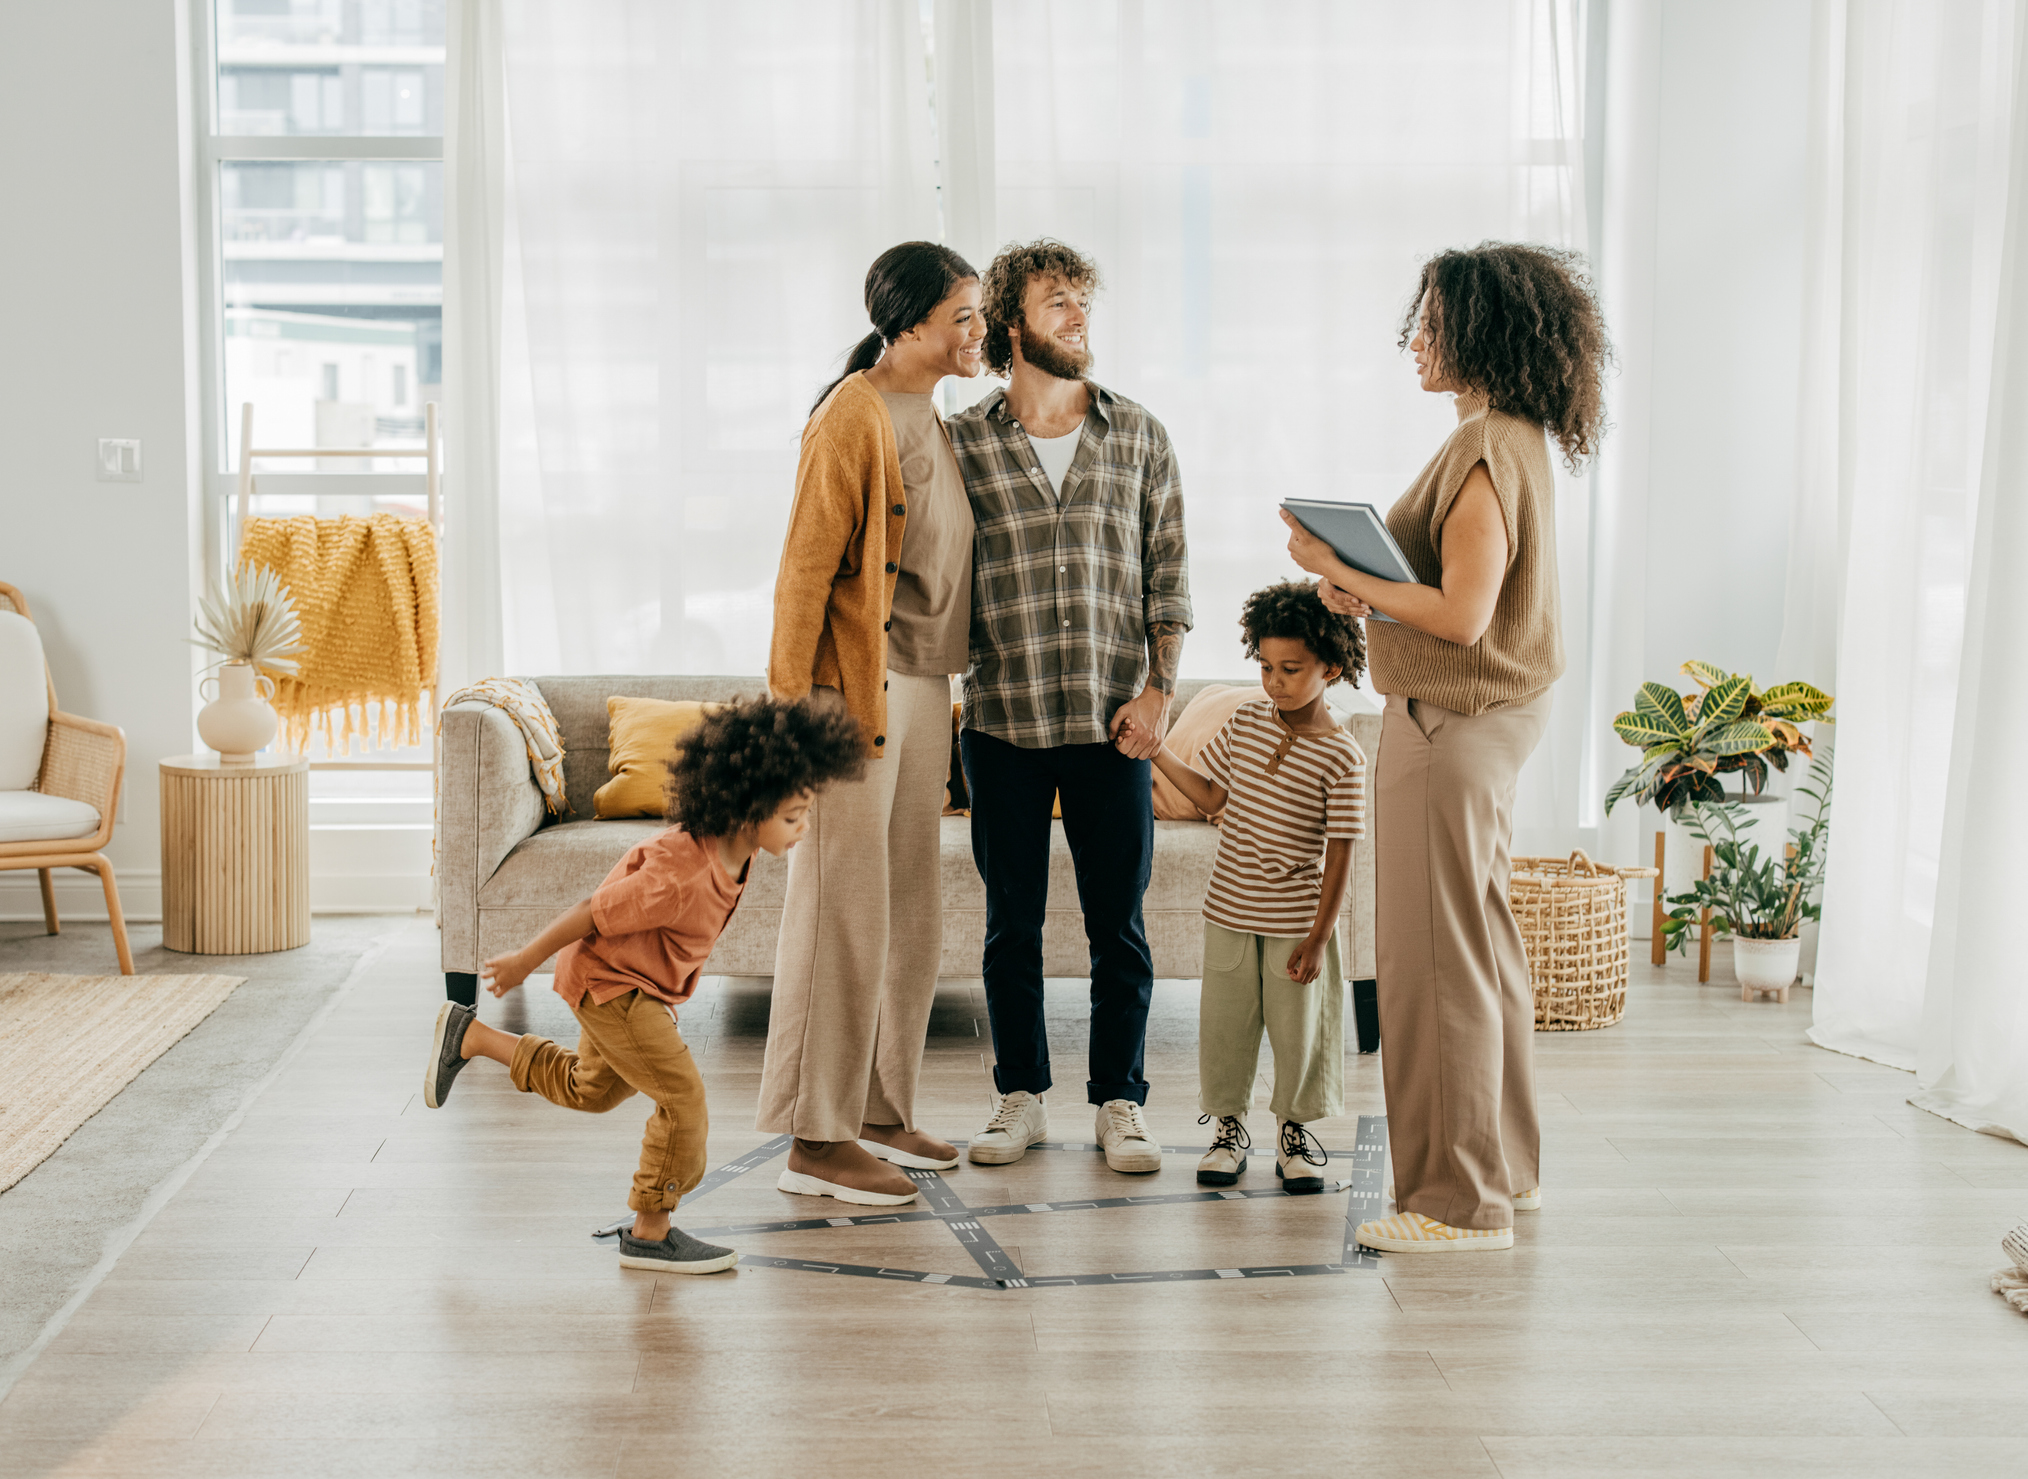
x=1294 y=609
x=1007 y=279
x=1520 y=323
x=747 y=758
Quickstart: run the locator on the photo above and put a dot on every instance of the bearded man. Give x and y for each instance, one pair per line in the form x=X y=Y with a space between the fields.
x=1080 y=599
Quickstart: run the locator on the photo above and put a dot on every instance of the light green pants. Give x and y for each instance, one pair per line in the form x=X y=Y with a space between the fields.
x=1247 y=986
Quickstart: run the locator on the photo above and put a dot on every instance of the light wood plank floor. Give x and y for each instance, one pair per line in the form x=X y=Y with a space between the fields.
x=1755 y=1258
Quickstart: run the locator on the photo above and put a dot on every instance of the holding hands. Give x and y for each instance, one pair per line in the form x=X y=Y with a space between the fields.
x=1140 y=723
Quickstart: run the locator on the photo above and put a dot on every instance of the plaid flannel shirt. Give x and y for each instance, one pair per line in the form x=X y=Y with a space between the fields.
x=1065 y=589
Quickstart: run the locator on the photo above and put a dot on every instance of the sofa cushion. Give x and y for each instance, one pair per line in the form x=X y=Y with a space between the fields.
x=644 y=735
x=580 y=708
x=24 y=704
x=30 y=816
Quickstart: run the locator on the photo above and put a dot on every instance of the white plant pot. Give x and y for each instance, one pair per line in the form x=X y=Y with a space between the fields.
x=1766 y=965
x=239 y=721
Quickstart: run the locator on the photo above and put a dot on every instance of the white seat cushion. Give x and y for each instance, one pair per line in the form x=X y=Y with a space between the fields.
x=24 y=702
x=30 y=816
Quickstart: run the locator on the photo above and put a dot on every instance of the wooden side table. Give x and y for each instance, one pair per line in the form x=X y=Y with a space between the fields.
x=235 y=854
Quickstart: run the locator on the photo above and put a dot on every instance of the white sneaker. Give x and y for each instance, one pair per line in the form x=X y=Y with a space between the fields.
x=1124 y=1135
x=1020 y=1121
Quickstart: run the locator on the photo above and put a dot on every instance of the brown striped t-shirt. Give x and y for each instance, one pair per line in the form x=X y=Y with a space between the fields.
x=1288 y=794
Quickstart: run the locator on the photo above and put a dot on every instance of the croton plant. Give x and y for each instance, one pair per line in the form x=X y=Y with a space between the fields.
x=1689 y=740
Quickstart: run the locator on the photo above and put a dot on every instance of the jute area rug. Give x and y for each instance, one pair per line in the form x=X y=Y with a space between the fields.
x=69 y=1043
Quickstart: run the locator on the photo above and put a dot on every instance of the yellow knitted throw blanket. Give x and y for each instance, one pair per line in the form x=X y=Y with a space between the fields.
x=367 y=596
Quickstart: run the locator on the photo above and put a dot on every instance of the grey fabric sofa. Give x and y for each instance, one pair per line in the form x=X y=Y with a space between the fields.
x=505 y=868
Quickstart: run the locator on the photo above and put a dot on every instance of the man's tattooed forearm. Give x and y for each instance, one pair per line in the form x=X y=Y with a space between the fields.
x=1165 y=654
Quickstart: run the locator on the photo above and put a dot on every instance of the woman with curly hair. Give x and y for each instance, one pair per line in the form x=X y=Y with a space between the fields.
x=873 y=603
x=1288 y=787
x=630 y=954
x=1466 y=663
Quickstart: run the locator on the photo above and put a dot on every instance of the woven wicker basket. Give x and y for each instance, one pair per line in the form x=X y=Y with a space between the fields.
x=1573 y=918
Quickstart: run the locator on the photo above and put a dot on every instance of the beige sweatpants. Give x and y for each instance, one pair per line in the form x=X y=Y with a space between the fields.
x=1457 y=1017
x=862 y=935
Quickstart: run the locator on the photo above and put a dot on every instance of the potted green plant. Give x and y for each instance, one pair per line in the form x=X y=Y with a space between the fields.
x=1762 y=902
x=1688 y=741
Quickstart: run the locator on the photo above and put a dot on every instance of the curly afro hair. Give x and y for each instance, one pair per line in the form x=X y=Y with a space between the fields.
x=1292 y=608
x=1007 y=279
x=1520 y=324
x=747 y=758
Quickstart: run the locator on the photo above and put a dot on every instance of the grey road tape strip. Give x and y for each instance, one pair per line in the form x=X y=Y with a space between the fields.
x=864 y=1271
x=1369 y=1189
x=760 y=1155
x=965 y=1226
x=1367 y=1185
x=1010 y=1209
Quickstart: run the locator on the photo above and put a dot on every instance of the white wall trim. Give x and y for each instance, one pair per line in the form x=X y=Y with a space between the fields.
x=78 y=896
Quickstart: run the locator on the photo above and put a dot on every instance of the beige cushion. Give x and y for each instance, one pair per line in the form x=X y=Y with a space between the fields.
x=30 y=816
x=24 y=705
x=1195 y=728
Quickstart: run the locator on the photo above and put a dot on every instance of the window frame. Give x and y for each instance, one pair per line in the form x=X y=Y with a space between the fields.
x=212 y=150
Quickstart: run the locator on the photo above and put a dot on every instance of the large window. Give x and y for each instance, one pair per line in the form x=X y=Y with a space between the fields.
x=327 y=147
x=323 y=131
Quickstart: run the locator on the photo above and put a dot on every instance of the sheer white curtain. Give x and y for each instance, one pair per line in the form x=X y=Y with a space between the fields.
x=1920 y=206
x=694 y=193
x=1259 y=183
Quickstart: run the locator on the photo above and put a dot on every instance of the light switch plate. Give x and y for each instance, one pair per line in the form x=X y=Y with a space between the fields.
x=119 y=459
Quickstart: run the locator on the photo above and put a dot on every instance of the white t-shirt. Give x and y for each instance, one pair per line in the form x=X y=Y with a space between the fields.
x=1055 y=454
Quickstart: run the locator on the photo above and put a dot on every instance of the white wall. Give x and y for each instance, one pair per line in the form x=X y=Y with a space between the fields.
x=95 y=314
x=1727 y=330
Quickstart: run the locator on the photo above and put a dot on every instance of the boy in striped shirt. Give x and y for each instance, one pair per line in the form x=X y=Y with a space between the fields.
x=1292 y=789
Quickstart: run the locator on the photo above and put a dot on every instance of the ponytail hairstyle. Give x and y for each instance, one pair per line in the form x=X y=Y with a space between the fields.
x=903 y=287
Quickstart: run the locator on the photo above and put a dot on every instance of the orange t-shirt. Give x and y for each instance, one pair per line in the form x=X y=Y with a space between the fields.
x=654 y=921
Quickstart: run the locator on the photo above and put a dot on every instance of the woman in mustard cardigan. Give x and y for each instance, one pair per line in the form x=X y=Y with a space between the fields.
x=1466 y=663
x=873 y=602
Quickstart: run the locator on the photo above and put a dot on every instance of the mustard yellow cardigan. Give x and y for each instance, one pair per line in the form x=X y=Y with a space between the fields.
x=834 y=593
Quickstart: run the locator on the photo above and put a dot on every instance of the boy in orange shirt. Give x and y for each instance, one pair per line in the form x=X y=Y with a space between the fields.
x=631 y=953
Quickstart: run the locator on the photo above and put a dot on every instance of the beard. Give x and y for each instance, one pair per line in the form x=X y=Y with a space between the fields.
x=1052 y=358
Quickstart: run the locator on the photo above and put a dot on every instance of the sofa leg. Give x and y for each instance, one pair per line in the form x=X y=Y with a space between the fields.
x=462 y=987
x=49 y=903
x=1366 y=1015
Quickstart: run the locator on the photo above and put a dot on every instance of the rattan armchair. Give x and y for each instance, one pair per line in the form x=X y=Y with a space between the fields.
x=82 y=760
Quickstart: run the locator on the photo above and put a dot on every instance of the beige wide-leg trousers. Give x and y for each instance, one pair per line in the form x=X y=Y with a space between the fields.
x=862 y=935
x=1457 y=1017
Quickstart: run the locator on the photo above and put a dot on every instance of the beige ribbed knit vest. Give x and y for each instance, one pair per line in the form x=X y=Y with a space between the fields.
x=1522 y=651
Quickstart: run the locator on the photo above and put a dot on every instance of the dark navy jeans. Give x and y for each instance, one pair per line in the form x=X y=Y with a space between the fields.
x=1109 y=821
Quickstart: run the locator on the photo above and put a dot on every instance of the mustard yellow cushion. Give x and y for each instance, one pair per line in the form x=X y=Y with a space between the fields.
x=644 y=734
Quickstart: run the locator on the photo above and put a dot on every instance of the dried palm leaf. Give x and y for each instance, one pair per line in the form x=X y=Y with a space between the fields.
x=250 y=617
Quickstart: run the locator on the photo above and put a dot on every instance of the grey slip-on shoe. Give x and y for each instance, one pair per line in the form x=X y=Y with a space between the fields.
x=679 y=1253
x=446 y=1063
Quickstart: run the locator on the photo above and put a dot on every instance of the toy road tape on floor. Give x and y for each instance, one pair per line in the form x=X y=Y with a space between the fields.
x=997 y=1270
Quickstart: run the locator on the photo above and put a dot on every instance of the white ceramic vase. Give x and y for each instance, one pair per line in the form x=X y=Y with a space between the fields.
x=239 y=720
x=1766 y=965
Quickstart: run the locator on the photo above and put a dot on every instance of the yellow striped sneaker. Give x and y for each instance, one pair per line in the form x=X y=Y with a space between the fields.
x=1411 y=1232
